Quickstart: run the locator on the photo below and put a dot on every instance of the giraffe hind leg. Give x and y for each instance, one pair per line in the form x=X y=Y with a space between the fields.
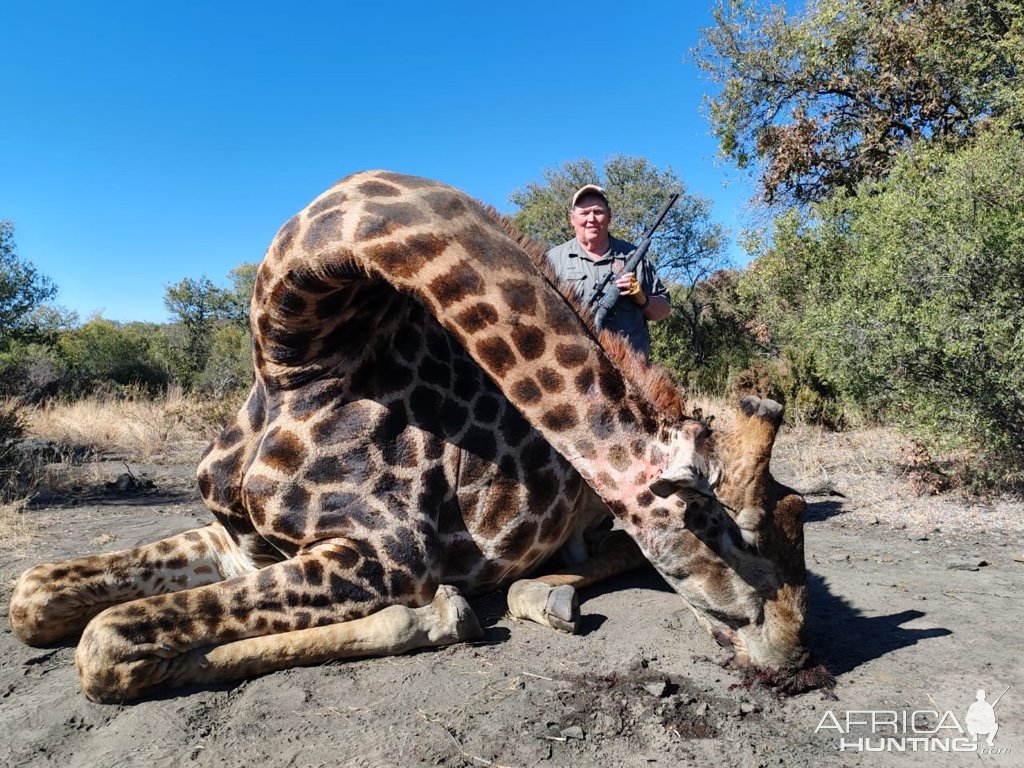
x=54 y=601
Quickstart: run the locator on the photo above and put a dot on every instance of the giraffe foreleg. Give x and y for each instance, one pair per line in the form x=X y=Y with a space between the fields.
x=285 y=614
x=552 y=600
x=57 y=600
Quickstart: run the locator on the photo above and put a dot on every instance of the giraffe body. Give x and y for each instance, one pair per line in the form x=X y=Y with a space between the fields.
x=429 y=415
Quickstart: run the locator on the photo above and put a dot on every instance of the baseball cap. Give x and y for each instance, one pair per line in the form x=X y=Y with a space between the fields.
x=589 y=189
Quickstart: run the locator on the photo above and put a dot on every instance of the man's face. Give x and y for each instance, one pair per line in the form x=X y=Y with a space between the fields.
x=590 y=219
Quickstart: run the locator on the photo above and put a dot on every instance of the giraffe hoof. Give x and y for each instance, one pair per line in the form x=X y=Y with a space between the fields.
x=563 y=609
x=456 y=614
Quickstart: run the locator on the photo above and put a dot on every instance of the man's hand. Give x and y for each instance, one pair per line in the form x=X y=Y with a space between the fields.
x=628 y=285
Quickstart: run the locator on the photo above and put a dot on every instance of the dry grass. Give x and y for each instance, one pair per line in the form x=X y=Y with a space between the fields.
x=135 y=428
x=15 y=529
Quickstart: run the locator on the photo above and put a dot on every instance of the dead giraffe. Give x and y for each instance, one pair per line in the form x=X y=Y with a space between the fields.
x=429 y=415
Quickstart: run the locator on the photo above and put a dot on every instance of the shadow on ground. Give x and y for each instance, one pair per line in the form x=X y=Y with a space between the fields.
x=843 y=637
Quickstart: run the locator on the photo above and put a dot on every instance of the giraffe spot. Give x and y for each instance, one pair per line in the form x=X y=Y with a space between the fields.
x=488 y=248
x=618 y=457
x=468 y=379
x=526 y=391
x=551 y=380
x=584 y=381
x=462 y=555
x=501 y=504
x=434 y=372
x=477 y=317
x=283 y=450
x=542 y=489
x=378 y=189
x=458 y=283
x=626 y=417
x=560 y=418
x=330 y=200
x=610 y=383
x=425 y=409
x=520 y=296
x=323 y=230
x=571 y=355
x=496 y=355
x=433 y=489
x=372 y=572
x=229 y=436
x=444 y=203
x=401 y=452
x=409 y=182
x=324 y=469
x=485 y=409
x=637 y=447
x=256 y=408
x=453 y=417
x=516 y=544
x=404 y=260
x=529 y=340
x=399 y=584
x=514 y=428
x=287 y=302
x=536 y=455
x=315 y=399
x=372 y=226
x=290 y=520
x=284 y=237
x=403 y=214
x=645 y=498
x=480 y=442
x=342 y=557
x=346 y=591
x=601 y=420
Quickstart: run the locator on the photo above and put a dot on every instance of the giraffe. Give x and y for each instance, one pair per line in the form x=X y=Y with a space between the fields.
x=430 y=416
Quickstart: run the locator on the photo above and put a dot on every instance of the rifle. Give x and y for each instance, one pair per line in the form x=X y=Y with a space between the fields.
x=606 y=293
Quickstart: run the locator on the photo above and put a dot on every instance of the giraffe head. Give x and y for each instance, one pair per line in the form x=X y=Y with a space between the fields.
x=731 y=539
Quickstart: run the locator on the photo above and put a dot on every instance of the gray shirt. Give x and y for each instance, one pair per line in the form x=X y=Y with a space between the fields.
x=574 y=266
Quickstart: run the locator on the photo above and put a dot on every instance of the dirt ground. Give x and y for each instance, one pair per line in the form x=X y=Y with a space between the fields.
x=916 y=603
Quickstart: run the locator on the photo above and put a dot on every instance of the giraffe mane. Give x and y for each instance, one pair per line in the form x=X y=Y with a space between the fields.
x=648 y=378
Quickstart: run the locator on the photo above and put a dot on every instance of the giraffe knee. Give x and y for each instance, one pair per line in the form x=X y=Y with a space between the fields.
x=41 y=612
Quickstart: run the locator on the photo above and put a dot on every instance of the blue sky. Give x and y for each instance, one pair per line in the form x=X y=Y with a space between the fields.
x=141 y=143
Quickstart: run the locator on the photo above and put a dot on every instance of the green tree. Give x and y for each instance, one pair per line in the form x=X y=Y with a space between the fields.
x=197 y=305
x=906 y=297
x=103 y=353
x=823 y=100
x=686 y=248
x=22 y=290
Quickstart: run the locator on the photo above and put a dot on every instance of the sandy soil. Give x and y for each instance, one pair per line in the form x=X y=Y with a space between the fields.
x=903 y=612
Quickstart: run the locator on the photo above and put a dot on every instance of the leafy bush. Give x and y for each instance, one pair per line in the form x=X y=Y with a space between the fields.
x=904 y=301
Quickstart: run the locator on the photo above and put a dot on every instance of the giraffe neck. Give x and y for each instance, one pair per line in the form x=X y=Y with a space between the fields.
x=435 y=244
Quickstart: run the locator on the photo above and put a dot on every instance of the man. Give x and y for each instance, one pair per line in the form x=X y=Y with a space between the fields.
x=588 y=257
